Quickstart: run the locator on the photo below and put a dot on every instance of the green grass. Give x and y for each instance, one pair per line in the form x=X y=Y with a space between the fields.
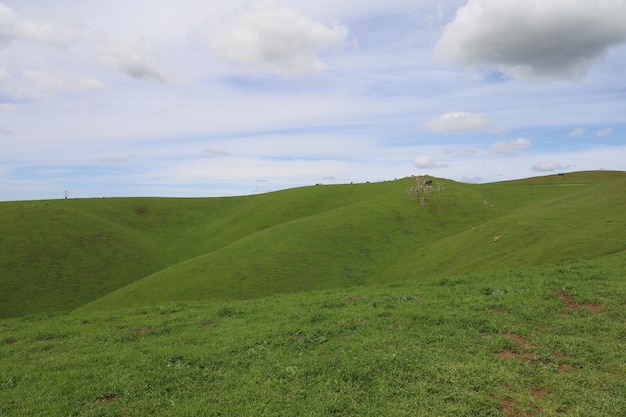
x=349 y=300
x=387 y=236
x=423 y=347
x=96 y=254
x=60 y=254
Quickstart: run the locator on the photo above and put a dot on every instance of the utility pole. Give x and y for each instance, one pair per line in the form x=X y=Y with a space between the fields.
x=66 y=194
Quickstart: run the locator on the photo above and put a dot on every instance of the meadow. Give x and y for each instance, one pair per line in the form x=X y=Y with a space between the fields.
x=502 y=299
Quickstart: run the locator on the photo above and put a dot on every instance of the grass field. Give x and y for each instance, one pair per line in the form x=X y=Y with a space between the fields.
x=505 y=299
x=100 y=254
x=546 y=341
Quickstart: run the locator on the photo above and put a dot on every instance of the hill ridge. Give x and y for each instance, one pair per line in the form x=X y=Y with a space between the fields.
x=95 y=251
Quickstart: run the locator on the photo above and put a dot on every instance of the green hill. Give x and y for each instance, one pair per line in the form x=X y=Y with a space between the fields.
x=415 y=297
x=542 y=341
x=108 y=253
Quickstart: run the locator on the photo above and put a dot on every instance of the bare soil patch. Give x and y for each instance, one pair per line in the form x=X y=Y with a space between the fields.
x=10 y=341
x=207 y=323
x=508 y=409
x=574 y=305
x=508 y=353
x=539 y=393
x=517 y=339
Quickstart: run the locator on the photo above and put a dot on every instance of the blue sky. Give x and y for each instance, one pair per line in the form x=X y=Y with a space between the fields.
x=224 y=97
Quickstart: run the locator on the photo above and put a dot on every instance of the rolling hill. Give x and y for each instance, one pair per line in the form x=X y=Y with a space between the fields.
x=101 y=254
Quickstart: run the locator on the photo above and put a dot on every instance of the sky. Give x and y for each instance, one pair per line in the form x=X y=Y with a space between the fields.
x=204 y=98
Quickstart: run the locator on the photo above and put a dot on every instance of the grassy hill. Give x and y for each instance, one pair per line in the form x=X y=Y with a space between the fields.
x=108 y=253
x=360 y=299
x=542 y=341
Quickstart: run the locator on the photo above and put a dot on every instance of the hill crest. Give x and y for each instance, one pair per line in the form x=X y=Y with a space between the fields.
x=108 y=253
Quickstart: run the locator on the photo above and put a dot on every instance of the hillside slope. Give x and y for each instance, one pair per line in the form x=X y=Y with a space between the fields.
x=587 y=222
x=107 y=253
x=61 y=254
x=391 y=237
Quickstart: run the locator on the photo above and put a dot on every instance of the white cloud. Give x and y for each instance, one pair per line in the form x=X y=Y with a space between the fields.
x=510 y=148
x=458 y=122
x=604 y=132
x=132 y=55
x=275 y=37
x=85 y=83
x=43 y=85
x=577 y=132
x=15 y=28
x=547 y=167
x=427 y=162
x=534 y=39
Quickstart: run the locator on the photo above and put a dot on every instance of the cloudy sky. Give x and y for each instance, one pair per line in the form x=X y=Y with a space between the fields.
x=228 y=97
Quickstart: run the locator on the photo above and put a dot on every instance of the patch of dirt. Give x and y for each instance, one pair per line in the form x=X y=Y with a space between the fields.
x=539 y=393
x=141 y=212
x=507 y=353
x=141 y=330
x=575 y=305
x=10 y=341
x=207 y=323
x=499 y=310
x=517 y=339
x=355 y=299
x=507 y=408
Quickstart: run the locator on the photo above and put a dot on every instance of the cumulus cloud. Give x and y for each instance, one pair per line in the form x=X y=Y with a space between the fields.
x=577 y=132
x=266 y=34
x=133 y=56
x=458 y=122
x=427 y=162
x=604 y=132
x=40 y=84
x=511 y=147
x=16 y=28
x=534 y=39
x=547 y=167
